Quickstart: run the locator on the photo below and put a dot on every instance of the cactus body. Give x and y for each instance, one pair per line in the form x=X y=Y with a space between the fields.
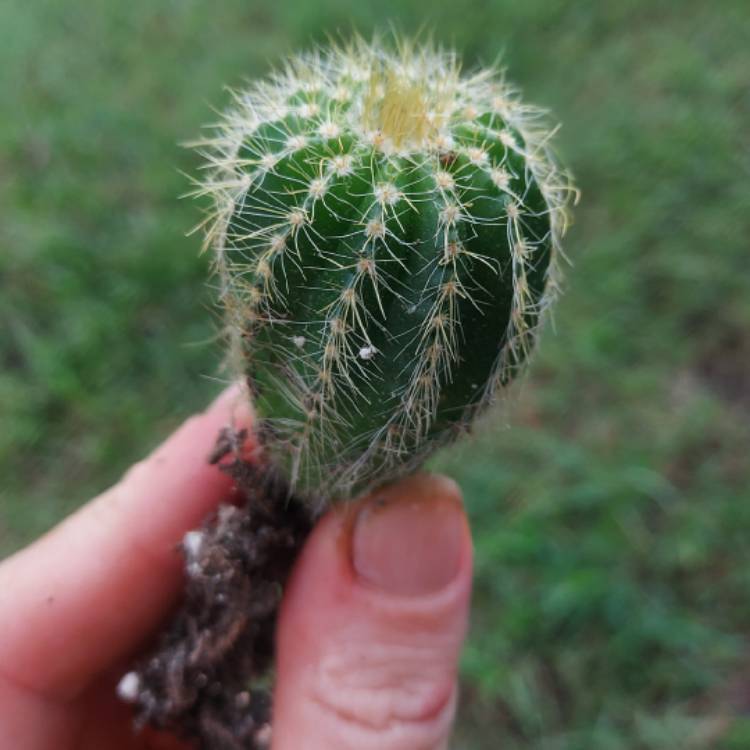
x=386 y=233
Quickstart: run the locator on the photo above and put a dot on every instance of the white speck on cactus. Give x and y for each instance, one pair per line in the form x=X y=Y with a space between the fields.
x=367 y=352
x=299 y=341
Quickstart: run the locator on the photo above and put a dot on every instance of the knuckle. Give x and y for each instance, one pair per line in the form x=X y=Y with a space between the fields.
x=134 y=473
x=387 y=697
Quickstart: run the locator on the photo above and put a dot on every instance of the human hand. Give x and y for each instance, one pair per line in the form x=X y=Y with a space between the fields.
x=369 y=632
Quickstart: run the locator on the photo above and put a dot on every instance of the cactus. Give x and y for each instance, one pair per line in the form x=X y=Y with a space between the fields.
x=386 y=232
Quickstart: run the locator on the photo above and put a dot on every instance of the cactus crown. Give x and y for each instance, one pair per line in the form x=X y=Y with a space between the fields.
x=386 y=231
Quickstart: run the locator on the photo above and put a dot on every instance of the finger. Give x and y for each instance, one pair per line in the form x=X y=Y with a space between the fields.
x=93 y=588
x=372 y=624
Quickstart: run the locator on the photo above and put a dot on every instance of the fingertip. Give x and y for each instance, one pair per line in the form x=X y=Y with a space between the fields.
x=373 y=622
x=410 y=538
x=233 y=401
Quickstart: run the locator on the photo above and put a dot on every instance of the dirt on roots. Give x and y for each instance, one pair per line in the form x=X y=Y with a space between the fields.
x=208 y=679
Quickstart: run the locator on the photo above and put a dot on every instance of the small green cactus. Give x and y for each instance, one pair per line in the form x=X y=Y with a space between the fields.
x=386 y=233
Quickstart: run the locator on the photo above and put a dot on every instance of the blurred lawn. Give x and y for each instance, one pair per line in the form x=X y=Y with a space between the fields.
x=613 y=519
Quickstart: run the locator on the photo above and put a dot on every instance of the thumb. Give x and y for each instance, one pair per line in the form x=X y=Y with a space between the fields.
x=373 y=621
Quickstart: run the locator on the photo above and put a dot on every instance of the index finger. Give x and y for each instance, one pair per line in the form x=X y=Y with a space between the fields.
x=89 y=591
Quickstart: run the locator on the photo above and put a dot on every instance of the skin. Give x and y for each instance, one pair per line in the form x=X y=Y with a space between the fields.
x=369 y=632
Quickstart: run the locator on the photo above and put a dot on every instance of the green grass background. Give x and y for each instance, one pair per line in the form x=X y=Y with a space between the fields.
x=610 y=500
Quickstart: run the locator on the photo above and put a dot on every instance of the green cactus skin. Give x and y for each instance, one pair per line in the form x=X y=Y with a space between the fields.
x=386 y=232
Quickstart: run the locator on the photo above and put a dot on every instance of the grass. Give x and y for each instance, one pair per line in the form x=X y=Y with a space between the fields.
x=609 y=499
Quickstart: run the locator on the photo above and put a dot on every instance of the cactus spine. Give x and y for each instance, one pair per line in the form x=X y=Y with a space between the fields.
x=386 y=232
